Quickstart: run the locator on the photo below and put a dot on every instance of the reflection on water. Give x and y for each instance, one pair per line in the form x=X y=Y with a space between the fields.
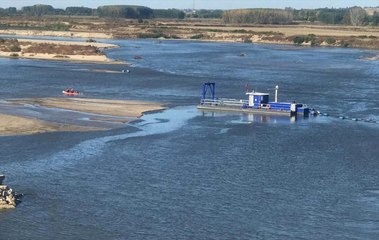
x=249 y=118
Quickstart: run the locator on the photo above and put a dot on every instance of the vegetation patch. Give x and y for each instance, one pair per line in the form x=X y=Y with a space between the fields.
x=47 y=48
x=9 y=45
x=199 y=36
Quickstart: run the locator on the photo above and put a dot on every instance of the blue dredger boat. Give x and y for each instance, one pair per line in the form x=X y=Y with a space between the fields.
x=257 y=102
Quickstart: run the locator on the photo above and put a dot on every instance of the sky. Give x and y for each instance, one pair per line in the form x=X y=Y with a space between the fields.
x=199 y=4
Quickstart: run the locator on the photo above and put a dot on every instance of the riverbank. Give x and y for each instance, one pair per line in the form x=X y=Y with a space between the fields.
x=75 y=114
x=89 y=52
x=207 y=30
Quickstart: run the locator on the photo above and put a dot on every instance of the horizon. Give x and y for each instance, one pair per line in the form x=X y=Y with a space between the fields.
x=201 y=4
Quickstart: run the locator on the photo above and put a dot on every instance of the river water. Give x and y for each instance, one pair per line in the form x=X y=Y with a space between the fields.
x=186 y=174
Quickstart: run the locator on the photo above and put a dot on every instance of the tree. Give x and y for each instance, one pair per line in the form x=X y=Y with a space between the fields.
x=168 y=13
x=38 y=10
x=357 y=16
x=125 y=11
x=79 y=11
x=260 y=16
x=375 y=19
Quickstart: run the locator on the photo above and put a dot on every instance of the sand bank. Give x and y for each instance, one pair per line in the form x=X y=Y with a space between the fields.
x=63 y=50
x=100 y=110
x=17 y=125
x=67 y=34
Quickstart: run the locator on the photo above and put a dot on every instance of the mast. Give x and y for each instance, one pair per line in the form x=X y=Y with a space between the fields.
x=276 y=93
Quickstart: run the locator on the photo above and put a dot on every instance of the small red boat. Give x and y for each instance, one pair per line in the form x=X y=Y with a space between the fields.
x=70 y=92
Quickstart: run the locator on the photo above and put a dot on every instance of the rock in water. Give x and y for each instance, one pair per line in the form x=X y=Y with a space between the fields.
x=8 y=199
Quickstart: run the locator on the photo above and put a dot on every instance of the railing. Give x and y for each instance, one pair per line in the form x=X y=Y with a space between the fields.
x=224 y=102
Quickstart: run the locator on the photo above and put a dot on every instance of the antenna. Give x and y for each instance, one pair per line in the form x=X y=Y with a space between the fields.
x=276 y=93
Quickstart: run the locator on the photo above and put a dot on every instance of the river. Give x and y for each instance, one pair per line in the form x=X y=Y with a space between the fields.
x=187 y=174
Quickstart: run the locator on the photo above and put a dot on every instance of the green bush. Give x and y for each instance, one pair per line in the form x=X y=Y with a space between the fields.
x=15 y=48
x=298 y=40
x=344 y=44
x=151 y=35
x=247 y=40
x=330 y=40
x=198 y=36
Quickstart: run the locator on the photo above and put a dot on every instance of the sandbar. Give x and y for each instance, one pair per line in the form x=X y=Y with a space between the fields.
x=73 y=51
x=17 y=125
x=105 y=111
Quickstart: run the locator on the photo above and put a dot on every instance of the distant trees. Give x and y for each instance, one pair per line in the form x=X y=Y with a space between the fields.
x=205 y=13
x=355 y=16
x=79 y=11
x=331 y=16
x=38 y=10
x=375 y=19
x=124 y=11
x=168 y=13
x=260 y=16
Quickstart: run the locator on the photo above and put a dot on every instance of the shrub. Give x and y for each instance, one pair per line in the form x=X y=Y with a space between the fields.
x=247 y=40
x=344 y=44
x=330 y=40
x=14 y=55
x=298 y=40
x=15 y=48
x=198 y=36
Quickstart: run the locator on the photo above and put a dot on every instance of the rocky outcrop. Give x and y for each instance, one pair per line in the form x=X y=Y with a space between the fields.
x=8 y=198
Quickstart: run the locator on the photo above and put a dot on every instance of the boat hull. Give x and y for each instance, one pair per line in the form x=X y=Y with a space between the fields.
x=70 y=93
x=246 y=110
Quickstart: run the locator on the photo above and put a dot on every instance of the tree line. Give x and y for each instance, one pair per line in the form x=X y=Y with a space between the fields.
x=355 y=16
x=113 y=11
x=258 y=16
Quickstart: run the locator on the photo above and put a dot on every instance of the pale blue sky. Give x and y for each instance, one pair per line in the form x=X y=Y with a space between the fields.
x=199 y=4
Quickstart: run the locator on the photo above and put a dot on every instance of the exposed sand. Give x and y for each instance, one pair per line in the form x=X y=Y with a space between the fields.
x=68 y=57
x=74 y=34
x=95 y=44
x=17 y=125
x=122 y=108
x=112 y=109
x=76 y=58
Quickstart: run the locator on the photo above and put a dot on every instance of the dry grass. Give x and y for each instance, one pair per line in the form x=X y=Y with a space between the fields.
x=48 y=48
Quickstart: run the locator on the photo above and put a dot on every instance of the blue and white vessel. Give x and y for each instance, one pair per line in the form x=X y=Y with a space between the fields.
x=257 y=102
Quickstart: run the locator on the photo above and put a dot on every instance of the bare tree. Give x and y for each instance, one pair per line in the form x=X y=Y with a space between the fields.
x=357 y=16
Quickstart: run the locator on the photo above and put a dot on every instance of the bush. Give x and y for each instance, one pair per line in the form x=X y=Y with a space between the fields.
x=247 y=40
x=344 y=44
x=15 y=48
x=14 y=55
x=151 y=35
x=315 y=42
x=198 y=36
x=298 y=40
x=330 y=40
